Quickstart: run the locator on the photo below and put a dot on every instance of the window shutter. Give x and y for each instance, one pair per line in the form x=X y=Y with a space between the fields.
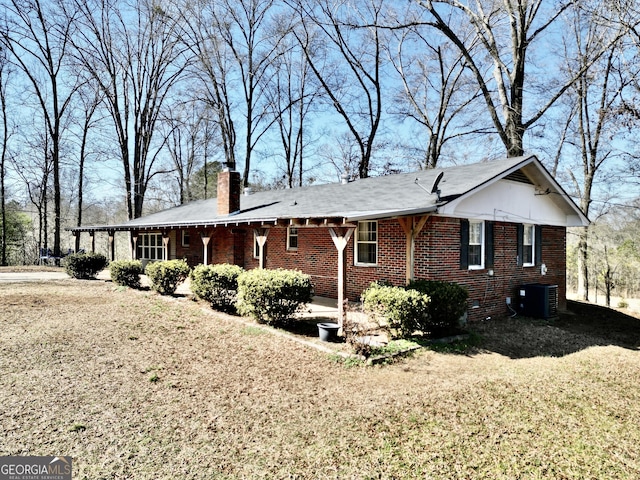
x=538 y=240
x=488 y=244
x=520 y=241
x=464 y=244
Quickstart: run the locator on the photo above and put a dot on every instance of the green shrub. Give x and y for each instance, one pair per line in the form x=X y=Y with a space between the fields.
x=448 y=302
x=165 y=276
x=84 y=265
x=126 y=272
x=273 y=296
x=399 y=311
x=217 y=284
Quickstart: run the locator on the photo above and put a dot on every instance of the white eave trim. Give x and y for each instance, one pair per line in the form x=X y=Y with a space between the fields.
x=574 y=217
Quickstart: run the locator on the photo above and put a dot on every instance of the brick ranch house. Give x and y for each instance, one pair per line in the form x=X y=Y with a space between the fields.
x=490 y=226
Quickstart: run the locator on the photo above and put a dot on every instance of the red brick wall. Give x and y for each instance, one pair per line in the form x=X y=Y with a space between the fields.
x=225 y=246
x=228 y=246
x=194 y=252
x=391 y=266
x=316 y=255
x=437 y=257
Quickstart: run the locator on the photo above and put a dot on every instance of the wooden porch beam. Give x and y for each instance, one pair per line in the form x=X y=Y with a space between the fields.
x=412 y=226
x=206 y=238
x=134 y=245
x=261 y=237
x=340 y=240
x=112 y=245
x=165 y=245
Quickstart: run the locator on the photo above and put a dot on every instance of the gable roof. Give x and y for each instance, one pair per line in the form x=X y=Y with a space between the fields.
x=369 y=198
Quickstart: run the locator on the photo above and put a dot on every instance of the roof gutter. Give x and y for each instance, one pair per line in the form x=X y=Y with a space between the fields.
x=392 y=213
x=230 y=221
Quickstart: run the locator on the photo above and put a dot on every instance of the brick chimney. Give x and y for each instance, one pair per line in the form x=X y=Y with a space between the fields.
x=228 y=192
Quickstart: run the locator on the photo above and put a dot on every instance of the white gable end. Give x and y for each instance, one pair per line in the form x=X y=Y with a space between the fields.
x=511 y=201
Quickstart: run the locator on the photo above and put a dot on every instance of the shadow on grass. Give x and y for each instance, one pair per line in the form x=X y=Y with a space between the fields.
x=584 y=325
x=308 y=327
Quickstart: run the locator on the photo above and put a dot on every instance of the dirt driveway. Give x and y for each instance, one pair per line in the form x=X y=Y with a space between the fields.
x=13 y=277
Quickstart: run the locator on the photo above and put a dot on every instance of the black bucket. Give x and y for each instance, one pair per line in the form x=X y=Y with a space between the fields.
x=328 y=331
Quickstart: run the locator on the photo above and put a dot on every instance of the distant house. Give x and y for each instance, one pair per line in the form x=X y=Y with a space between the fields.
x=491 y=226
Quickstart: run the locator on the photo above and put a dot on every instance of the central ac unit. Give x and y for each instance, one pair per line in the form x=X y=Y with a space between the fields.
x=538 y=301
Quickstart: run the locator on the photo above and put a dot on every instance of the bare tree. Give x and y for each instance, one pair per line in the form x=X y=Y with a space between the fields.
x=292 y=94
x=629 y=112
x=189 y=140
x=34 y=166
x=37 y=34
x=436 y=92
x=5 y=74
x=508 y=32
x=213 y=70
x=614 y=260
x=596 y=96
x=236 y=43
x=349 y=68
x=344 y=155
x=134 y=56
x=90 y=100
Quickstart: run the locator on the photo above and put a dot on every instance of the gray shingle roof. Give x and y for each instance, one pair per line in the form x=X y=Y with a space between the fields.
x=374 y=197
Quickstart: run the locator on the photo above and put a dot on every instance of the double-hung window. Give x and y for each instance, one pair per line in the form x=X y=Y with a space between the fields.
x=150 y=246
x=292 y=239
x=366 y=243
x=529 y=245
x=476 y=244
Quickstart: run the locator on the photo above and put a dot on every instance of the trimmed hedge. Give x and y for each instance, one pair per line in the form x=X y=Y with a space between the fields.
x=400 y=311
x=217 y=284
x=84 y=265
x=126 y=272
x=273 y=296
x=165 y=276
x=448 y=301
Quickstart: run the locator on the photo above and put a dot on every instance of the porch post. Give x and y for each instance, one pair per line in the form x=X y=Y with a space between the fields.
x=134 y=245
x=340 y=241
x=112 y=245
x=92 y=234
x=412 y=227
x=261 y=238
x=76 y=241
x=165 y=245
x=205 y=242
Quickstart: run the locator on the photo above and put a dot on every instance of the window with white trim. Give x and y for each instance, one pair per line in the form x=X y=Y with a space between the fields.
x=528 y=246
x=186 y=238
x=366 y=243
x=292 y=239
x=150 y=246
x=476 y=244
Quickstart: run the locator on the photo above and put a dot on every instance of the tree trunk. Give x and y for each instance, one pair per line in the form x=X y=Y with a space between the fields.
x=56 y=203
x=583 y=269
x=3 y=200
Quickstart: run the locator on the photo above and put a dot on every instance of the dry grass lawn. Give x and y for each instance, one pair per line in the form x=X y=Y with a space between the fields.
x=133 y=385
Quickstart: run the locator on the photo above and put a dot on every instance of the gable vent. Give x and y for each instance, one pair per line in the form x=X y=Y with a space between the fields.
x=518 y=176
